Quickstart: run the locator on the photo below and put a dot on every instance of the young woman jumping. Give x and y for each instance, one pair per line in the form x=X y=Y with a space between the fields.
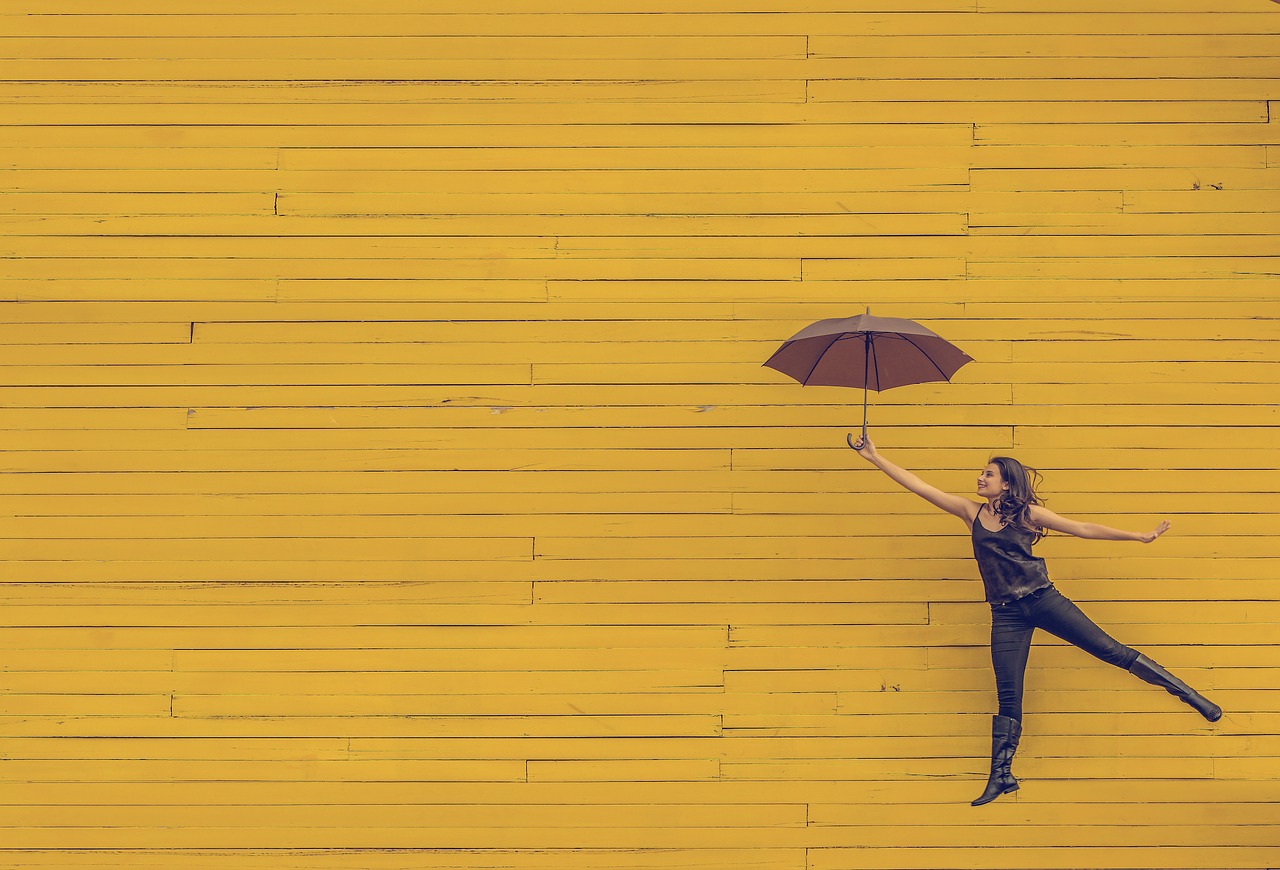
x=1021 y=596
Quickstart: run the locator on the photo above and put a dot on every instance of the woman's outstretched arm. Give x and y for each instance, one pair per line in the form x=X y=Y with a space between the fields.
x=952 y=504
x=1042 y=516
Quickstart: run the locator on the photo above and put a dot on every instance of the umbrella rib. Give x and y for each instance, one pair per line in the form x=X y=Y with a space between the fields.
x=805 y=382
x=923 y=353
x=875 y=359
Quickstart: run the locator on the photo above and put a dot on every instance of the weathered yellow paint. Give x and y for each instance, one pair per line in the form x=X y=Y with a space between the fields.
x=393 y=481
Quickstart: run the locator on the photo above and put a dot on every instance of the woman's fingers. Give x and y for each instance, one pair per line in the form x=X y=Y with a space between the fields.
x=863 y=445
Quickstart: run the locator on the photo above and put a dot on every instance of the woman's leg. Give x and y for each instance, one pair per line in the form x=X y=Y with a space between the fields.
x=1010 y=644
x=1145 y=669
x=1059 y=616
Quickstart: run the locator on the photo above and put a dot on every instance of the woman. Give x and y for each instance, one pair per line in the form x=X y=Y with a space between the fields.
x=1021 y=597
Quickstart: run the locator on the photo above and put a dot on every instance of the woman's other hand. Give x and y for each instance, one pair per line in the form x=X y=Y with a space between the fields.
x=1159 y=530
x=863 y=445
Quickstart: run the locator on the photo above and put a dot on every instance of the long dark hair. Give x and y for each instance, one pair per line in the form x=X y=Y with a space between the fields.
x=1014 y=507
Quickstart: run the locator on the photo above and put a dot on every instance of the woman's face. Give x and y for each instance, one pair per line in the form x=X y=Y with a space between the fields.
x=990 y=483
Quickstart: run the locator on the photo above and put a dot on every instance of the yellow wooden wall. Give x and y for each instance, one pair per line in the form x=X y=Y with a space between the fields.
x=390 y=479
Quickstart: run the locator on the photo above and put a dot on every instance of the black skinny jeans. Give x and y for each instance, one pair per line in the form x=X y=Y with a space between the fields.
x=1013 y=624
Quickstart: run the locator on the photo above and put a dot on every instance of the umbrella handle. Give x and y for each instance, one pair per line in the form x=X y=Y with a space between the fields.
x=849 y=436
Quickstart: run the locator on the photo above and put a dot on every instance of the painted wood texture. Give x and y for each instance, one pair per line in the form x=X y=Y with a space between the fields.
x=391 y=480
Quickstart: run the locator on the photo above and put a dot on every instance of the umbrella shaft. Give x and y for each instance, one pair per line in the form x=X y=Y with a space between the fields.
x=866 y=376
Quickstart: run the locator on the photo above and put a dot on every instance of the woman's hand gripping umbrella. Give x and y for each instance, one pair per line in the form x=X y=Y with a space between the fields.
x=876 y=353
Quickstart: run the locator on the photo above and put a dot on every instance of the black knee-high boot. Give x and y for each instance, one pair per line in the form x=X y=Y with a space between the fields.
x=1145 y=669
x=1005 y=733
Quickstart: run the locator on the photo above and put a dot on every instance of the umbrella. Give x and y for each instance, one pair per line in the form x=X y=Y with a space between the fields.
x=877 y=352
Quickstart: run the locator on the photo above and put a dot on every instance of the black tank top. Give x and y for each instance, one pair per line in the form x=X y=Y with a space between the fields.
x=1008 y=569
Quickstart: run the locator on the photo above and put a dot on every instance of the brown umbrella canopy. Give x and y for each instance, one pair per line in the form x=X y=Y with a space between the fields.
x=876 y=353
x=867 y=351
